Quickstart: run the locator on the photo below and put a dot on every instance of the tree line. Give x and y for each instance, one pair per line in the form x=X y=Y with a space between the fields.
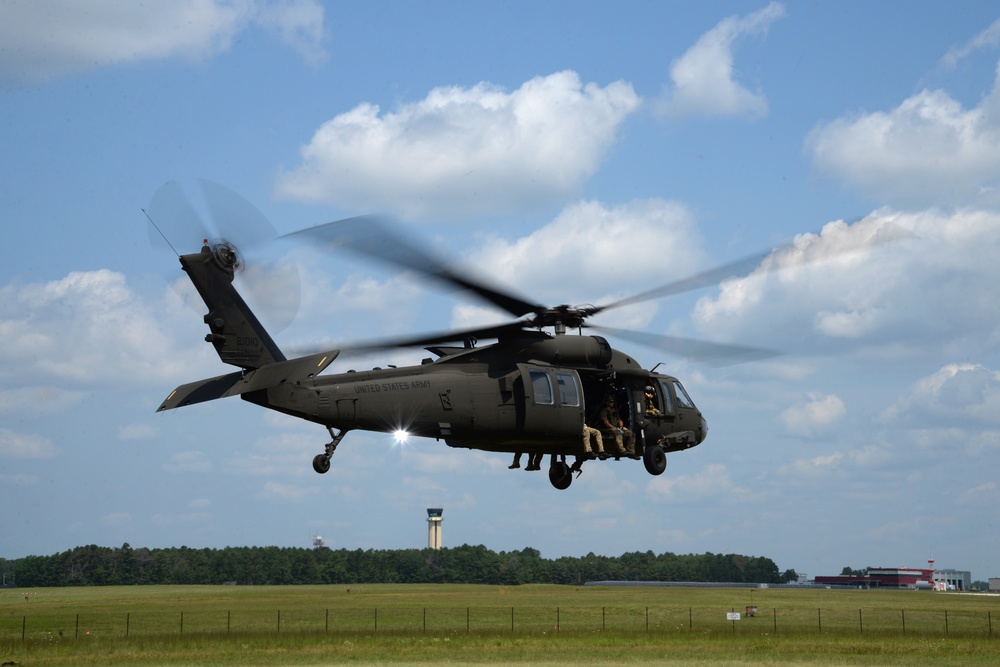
x=100 y=566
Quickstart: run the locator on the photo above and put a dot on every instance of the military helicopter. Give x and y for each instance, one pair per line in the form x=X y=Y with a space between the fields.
x=530 y=391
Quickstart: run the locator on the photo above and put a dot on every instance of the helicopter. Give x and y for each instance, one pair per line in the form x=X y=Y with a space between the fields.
x=534 y=390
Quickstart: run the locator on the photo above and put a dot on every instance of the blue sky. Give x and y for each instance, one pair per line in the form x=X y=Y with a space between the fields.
x=574 y=152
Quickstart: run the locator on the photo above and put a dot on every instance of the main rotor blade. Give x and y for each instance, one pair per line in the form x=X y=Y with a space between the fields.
x=742 y=267
x=374 y=237
x=715 y=354
x=421 y=340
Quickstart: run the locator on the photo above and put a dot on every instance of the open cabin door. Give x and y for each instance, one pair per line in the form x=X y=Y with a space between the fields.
x=553 y=400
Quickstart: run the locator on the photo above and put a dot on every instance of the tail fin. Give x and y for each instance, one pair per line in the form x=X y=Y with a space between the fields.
x=237 y=334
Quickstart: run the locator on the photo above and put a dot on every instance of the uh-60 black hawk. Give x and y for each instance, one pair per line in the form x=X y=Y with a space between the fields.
x=530 y=391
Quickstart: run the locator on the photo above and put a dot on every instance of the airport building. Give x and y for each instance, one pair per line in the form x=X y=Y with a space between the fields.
x=903 y=577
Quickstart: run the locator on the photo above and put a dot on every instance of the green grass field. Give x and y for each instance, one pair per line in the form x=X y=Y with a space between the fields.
x=476 y=625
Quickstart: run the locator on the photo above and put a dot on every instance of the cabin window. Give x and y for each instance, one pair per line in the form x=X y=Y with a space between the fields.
x=683 y=399
x=541 y=388
x=569 y=392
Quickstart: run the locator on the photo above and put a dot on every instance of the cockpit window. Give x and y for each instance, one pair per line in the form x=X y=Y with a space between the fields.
x=668 y=401
x=683 y=399
x=569 y=393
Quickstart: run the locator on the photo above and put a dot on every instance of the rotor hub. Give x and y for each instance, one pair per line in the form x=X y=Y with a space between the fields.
x=227 y=256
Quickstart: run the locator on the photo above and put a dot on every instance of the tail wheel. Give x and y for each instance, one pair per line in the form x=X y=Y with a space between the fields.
x=655 y=460
x=321 y=463
x=560 y=475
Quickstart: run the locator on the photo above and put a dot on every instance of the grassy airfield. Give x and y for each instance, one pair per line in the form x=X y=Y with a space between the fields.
x=477 y=625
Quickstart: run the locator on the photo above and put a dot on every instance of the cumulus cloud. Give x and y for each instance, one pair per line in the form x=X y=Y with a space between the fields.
x=42 y=39
x=15 y=445
x=185 y=462
x=814 y=415
x=987 y=39
x=930 y=150
x=927 y=295
x=464 y=150
x=955 y=395
x=704 y=78
x=584 y=241
x=714 y=480
x=38 y=399
x=86 y=328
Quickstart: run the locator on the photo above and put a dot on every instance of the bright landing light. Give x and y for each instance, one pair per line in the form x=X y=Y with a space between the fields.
x=401 y=437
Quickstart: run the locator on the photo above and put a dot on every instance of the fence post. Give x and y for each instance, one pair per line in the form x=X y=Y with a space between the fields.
x=989 y=619
x=946 y=621
x=24 y=625
x=229 y=620
x=604 y=625
x=376 y=619
x=902 y=615
x=327 y=628
x=775 y=611
x=279 y=622
x=819 y=620
x=128 y=618
x=861 y=622
x=690 y=619
x=468 y=620
x=77 y=635
x=647 y=620
x=182 y=622
x=511 y=620
x=557 y=619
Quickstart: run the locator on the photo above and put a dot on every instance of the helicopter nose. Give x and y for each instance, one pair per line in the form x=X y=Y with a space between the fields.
x=704 y=430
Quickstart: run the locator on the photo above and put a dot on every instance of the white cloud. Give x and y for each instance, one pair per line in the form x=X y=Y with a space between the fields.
x=930 y=294
x=704 y=80
x=185 y=462
x=587 y=242
x=713 y=480
x=38 y=399
x=293 y=492
x=956 y=395
x=23 y=446
x=464 y=150
x=929 y=150
x=813 y=416
x=43 y=39
x=987 y=39
x=87 y=328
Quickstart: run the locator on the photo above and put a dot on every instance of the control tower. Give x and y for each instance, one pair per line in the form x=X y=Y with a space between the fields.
x=434 y=527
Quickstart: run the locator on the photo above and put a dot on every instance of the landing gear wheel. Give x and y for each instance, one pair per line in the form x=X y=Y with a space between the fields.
x=560 y=475
x=321 y=463
x=655 y=460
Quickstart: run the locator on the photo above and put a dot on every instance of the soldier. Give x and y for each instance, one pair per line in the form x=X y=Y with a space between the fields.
x=609 y=420
x=592 y=433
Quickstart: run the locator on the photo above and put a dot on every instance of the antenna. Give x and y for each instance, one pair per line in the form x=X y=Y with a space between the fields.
x=159 y=232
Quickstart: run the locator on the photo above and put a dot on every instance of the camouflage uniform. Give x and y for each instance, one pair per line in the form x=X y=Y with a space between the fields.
x=609 y=419
x=588 y=433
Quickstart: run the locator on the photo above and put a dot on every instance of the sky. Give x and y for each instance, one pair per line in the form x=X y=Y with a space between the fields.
x=571 y=152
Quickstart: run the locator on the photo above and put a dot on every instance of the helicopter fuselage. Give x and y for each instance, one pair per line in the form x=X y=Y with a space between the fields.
x=533 y=393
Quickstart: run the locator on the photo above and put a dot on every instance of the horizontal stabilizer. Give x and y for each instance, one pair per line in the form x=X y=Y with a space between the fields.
x=240 y=382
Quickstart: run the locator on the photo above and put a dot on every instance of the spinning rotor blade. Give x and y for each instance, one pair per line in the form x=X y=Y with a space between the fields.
x=714 y=354
x=744 y=266
x=226 y=217
x=374 y=237
x=421 y=340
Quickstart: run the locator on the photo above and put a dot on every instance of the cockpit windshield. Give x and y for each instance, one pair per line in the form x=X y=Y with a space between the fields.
x=683 y=400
